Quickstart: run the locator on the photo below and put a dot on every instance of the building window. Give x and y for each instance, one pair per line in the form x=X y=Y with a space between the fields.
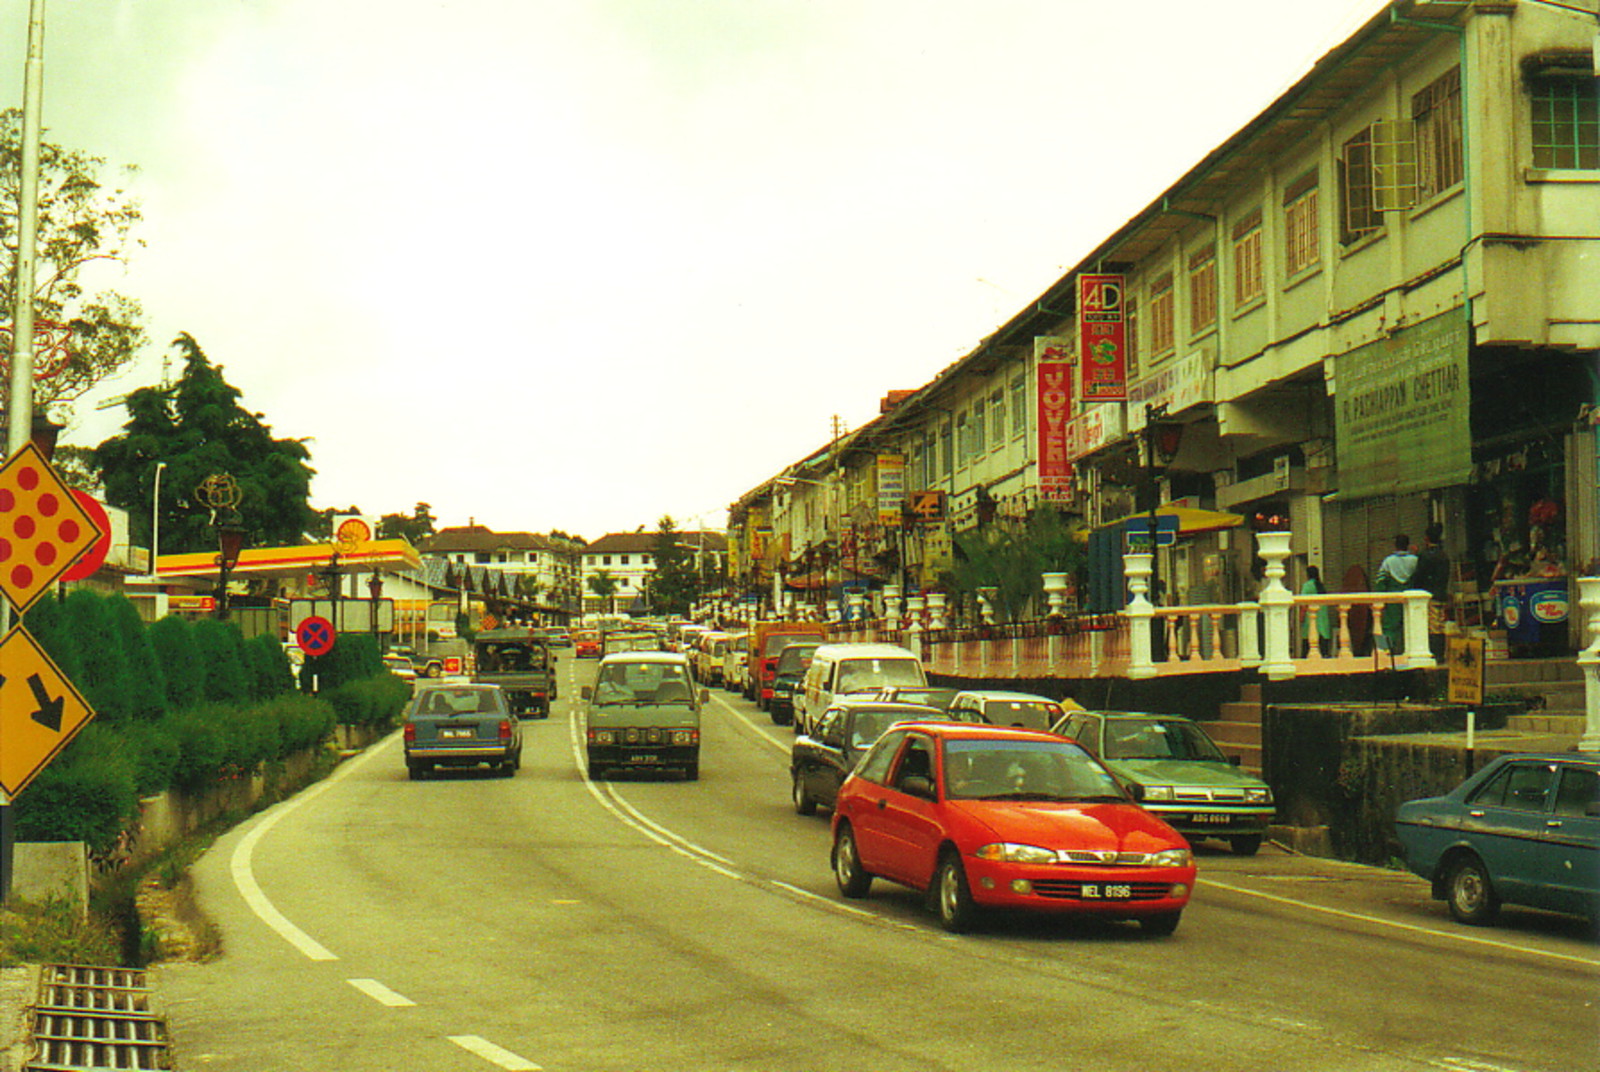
x=1161 y=327
x=606 y=561
x=1247 y=274
x=997 y=418
x=1202 y=289
x=947 y=450
x=1130 y=334
x=1301 y=206
x=1566 y=123
x=1359 y=216
x=1436 y=111
x=1019 y=405
x=975 y=431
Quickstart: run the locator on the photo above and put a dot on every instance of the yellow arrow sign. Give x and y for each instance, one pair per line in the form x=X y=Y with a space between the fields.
x=40 y=711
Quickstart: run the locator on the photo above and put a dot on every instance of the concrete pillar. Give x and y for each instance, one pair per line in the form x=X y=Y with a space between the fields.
x=1418 y=655
x=1136 y=567
x=1277 y=606
x=1589 y=660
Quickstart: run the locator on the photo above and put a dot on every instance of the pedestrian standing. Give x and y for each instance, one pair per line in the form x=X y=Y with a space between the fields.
x=1317 y=623
x=1433 y=574
x=1394 y=575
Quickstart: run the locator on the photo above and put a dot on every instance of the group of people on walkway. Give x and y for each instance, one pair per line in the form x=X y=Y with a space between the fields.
x=1401 y=570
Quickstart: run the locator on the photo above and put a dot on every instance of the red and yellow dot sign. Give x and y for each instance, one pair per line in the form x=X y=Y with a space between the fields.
x=42 y=527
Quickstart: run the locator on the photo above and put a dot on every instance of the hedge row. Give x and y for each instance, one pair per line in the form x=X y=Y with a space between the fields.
x=179 y=704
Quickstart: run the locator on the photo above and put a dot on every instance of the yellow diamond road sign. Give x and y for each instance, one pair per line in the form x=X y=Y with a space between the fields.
x=40 y=711
x=42 y=527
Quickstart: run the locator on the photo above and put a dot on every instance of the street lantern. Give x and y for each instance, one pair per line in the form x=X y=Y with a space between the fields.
x=230 y=543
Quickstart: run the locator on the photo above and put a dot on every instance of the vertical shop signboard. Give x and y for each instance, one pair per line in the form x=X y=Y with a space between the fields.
x=1054 y=365
x=891 y=489
x=1102 y=339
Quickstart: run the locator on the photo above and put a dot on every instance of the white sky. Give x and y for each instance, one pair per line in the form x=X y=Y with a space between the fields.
x=581 y=264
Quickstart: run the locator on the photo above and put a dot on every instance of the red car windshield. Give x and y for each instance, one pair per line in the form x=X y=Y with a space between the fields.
x=1025 y=770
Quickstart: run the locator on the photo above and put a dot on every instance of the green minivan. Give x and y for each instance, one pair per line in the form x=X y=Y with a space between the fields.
x=643 y=713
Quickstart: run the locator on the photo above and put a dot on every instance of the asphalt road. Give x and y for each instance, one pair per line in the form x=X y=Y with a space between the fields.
x=474 y=923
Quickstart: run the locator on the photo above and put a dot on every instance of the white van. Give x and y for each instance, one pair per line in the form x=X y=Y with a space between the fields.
x=837 y=669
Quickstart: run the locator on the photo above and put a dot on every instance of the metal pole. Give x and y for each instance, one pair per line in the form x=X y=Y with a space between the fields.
x=20 y=410
x=155 y=520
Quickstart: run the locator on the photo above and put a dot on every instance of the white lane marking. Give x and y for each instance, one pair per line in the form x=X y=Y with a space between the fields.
x=244 y=878
x=754 y=727
x=380 y=993
x=495 y=1055
x=1412 y=927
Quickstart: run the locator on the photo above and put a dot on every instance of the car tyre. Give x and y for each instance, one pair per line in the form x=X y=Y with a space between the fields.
x=1470 y=892
x=691 y=773
x=597 y=772
x=953 y=897
x=853 y=879
x=415 y=771
x=1160 y=925
x=1245 y=844
x=804 y=802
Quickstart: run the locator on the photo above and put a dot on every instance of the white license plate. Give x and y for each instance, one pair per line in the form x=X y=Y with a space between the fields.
x=455 y=735
x=1214 y=820
x=1109 y=891
x=644 y=758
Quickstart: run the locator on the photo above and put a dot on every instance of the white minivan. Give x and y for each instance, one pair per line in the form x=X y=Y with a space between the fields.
x=838 y=669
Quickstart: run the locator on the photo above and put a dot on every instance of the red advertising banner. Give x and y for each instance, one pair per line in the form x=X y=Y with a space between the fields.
x=1053 y=359
x=1102 y=338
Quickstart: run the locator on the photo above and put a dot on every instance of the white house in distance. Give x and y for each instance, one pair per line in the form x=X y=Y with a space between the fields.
x=550 y=561
x=629 y=559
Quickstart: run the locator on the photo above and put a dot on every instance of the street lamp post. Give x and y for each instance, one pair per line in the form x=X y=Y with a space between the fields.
x=155 y=520
x=230 y=542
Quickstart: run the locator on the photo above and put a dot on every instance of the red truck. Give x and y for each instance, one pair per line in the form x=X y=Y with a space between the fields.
x=767 y=639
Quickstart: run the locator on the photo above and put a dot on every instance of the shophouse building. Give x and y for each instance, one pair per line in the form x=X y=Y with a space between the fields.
x=1375 y=307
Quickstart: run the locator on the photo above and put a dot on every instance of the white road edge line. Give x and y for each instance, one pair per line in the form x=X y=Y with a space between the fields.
x=754 y=727
x=495 y=1055
x=244 y=878
x=1412 y=927
x=380 y=993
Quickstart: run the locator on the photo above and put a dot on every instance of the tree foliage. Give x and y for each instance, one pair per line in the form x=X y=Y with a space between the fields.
x=414 y=528
x=198 y=428
x=80 y=220
x=1013 y=556
x=676 y=582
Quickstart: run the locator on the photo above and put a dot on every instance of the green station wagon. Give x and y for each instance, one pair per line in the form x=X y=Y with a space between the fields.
x=643 y=713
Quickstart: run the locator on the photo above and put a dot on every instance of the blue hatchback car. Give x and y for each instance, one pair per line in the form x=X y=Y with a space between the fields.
x=1523 y=830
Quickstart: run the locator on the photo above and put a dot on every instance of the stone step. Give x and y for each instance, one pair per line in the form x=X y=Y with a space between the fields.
x=1545 y=723
x=1235 y=734
x=1250 y=693
x=1240 y=711
x=1513 y=672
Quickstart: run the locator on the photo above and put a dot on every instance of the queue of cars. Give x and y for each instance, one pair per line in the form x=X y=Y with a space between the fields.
x=990 y=799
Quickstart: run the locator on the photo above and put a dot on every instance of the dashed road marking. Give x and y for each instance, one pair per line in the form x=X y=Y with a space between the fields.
x=495 y=1055
x=380 y=993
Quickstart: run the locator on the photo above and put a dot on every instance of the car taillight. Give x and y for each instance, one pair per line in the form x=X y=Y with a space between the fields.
x=411 y=732
x=505 y=729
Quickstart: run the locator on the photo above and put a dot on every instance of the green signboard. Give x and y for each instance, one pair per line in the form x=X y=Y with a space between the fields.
x=1402 y=412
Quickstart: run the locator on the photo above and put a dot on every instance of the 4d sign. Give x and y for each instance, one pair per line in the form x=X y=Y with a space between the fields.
x=1102 y=339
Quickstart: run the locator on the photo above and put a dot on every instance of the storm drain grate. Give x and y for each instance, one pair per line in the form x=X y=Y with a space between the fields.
x=92 y=1018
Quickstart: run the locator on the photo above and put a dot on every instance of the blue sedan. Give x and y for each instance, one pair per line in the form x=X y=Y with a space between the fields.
x=1523 y=830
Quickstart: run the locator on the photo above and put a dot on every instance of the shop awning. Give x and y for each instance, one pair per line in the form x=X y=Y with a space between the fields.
x=1191 y=520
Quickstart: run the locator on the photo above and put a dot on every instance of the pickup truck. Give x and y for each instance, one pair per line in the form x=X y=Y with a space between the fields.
x=521 y=663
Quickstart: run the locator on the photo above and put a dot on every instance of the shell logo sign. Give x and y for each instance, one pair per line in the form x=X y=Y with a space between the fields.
x=352 y=531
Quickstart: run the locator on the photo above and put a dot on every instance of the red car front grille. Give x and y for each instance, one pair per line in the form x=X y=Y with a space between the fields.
x=1073 y=891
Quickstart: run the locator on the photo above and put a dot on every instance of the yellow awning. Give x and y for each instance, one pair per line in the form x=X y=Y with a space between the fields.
x=1191 y=520
x=375 y=555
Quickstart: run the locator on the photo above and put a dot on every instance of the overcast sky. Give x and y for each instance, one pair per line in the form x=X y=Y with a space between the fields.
x=581 y=264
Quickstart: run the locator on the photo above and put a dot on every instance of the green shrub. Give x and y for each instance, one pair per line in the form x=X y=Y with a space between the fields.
x=201 y=748
x=88 y=794
x=104 y=678
x=219 y=647
x=373 y=701
x=172 y=639
x=47 y=623
x=268 y=666
x=147 y=686
x=303 y=721
x=153 y=751
x=355 y=657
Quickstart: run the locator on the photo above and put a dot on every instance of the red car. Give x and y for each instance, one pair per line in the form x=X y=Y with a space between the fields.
x=989 y=816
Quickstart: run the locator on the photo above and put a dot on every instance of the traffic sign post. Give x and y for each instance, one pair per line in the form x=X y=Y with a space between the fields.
x=316 y=636
x=42 y=527
x=40 y=710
